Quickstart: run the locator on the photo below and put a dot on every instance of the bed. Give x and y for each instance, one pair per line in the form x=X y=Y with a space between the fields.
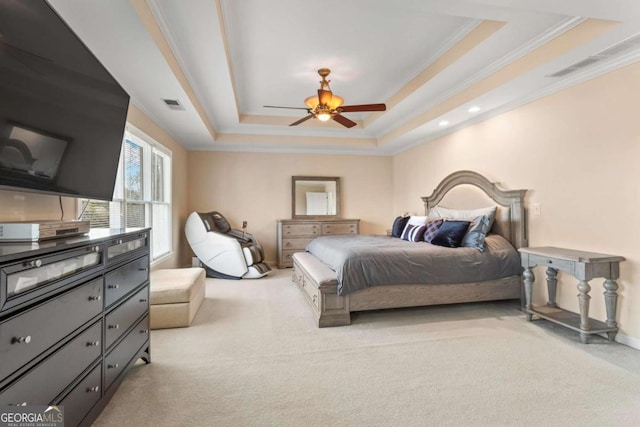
x=332 y=294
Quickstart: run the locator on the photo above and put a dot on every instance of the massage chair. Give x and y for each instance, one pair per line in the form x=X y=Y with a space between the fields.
x=225 y=253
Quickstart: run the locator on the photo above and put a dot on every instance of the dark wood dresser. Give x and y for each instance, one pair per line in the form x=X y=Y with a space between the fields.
x=74 y=317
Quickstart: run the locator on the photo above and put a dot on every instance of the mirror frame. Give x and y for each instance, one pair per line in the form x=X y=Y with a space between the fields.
x=295 y=179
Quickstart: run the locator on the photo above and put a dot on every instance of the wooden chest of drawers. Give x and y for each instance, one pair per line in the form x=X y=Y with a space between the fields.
x=295 y=234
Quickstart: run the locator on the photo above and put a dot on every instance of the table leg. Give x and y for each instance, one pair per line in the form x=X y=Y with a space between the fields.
x=528 y=279
x=611 y=300
x=552 y=283
x=583 y=299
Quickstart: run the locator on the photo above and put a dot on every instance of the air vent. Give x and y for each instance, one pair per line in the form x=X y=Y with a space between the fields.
x=578 y=65
x=632 y=42
x=174 y=104
x=622 y=47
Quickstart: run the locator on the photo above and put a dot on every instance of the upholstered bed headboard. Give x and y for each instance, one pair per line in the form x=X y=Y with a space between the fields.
x=510 y=219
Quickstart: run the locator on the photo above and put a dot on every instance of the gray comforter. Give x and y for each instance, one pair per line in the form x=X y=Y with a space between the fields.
x=362 y=261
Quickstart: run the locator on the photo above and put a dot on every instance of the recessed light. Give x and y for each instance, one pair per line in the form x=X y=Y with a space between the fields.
x=474 y=109
x=443 y=123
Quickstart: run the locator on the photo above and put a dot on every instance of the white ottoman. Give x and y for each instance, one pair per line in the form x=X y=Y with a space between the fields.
x=176 y=296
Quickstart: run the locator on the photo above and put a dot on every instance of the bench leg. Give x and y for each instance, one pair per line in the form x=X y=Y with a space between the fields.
x=329 y=320
x=333 y=308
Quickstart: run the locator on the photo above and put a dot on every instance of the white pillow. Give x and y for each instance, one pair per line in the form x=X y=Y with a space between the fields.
x=417 y=220
x=463 y=214
x=414 y=220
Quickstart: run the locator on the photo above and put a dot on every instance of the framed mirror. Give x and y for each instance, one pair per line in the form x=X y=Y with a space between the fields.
x=315 y=197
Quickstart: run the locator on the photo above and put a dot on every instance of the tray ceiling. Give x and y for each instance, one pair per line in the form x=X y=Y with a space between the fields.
x=430 y=61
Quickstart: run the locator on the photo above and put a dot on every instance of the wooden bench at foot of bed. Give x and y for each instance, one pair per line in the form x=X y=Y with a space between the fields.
x=320 y=286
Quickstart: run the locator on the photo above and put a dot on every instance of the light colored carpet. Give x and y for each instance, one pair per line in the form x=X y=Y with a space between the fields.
x=253 y=357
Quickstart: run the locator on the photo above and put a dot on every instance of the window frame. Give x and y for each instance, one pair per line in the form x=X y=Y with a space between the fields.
x=150 y=148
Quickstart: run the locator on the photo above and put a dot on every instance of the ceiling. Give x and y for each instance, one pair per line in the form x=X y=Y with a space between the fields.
x=430 y=61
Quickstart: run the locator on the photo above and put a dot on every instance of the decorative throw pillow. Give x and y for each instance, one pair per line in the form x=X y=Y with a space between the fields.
x=413 y=233
x=433 y=225
x=415 y=220
x=398 y=226
x=451 y=233
x=477 y=232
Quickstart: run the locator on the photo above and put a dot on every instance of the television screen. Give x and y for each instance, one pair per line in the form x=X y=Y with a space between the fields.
x=62 y=115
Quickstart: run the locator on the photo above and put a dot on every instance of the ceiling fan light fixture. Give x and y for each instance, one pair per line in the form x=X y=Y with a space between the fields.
x=326 y=106
x=312 y=102
x=323 y=116
x=335 y=102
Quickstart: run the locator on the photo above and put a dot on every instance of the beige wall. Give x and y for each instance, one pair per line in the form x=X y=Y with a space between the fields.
x=256 y=187
x=19 y=206
x=577 y=152
x=179 y=191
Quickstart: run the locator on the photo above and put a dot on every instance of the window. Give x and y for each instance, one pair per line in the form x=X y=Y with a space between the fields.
x=141 y=197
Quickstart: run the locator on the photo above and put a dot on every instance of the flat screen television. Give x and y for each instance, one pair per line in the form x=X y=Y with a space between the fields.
x=62 y=115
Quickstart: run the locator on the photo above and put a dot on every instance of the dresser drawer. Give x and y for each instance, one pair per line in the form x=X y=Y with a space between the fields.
x=287 y=257
x=81 y=399
x=120 y=320
x=339 y=228
x=48 y=379
x=26 y=282
x=26 y=335
x=558 y=264
x=312 y=229
x=123 y=280
x=126 y=247
x=296 y=243
x=121 y=355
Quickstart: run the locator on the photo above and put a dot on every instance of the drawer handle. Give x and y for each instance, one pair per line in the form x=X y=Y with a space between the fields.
x=315 y=297
x=114 y=326
x=550 y=262
x=95 y=298
x=288 y=245
x=35 y=263
x=144 y=331
x=143 y=269
x=94 y=249
x=93 y=343
x=113 y=366
x=113 y=286
x=22 y=340
x=143 y=300
x=328 y=232
x=93 y=389
x=119 y=242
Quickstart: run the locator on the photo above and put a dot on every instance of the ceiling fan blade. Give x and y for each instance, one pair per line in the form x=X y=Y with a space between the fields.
x=304 y=119
x=289 y=108
x=324 y=96
x=363 y=107
x=344 y=121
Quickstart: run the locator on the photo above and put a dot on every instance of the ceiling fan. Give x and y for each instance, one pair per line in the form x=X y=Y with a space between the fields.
x=327 y=106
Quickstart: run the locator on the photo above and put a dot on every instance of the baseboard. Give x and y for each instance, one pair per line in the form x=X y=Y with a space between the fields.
x=628 y=341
